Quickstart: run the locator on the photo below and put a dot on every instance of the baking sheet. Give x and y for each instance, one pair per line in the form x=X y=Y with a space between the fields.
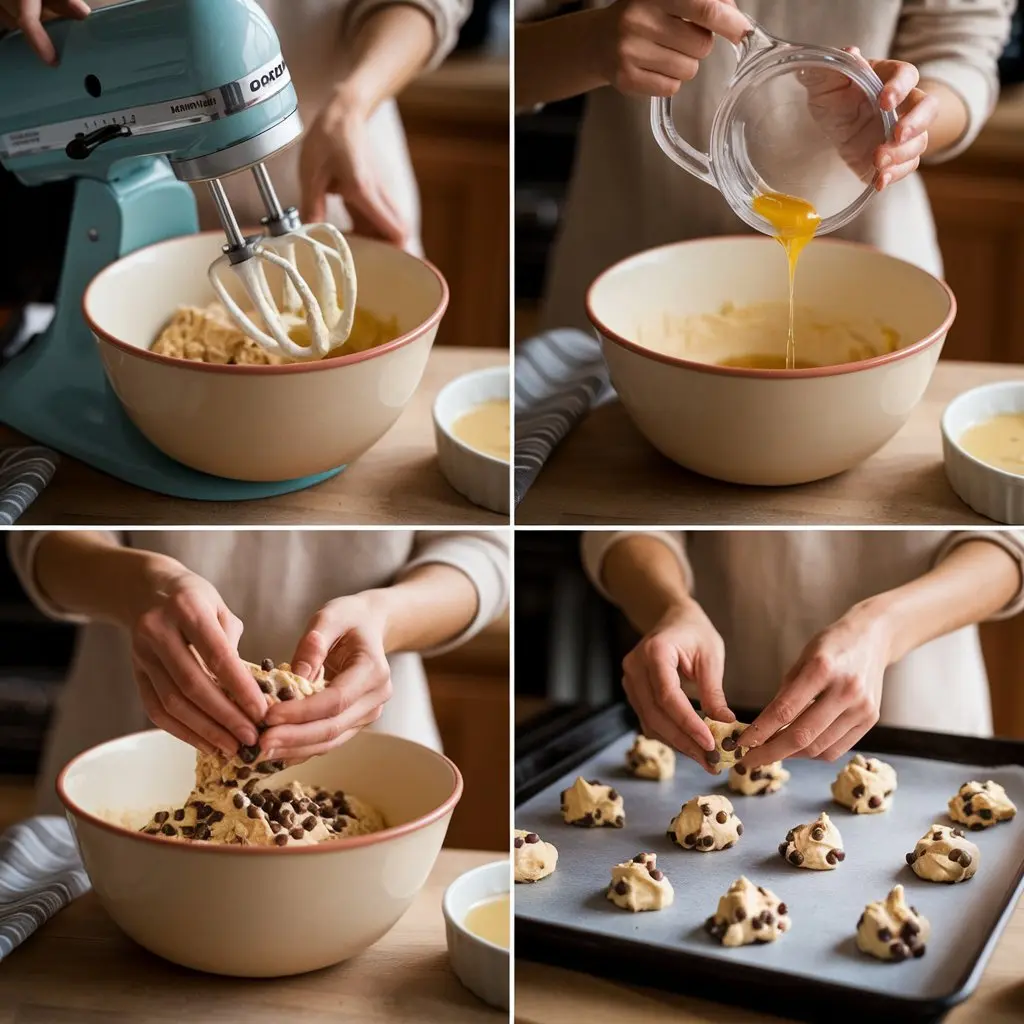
x=824 y=905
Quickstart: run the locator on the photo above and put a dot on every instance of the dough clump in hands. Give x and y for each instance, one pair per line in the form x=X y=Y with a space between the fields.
x=817 y=845
x=534 y=859
x=748 y=913
x=944 y=855
x=651 y=759
x=639 y=884
x=706 y=823
x=727 y=749
x=865 y=785
x=979 y=805
x=768 y=778
x=592 y=804
x=892 y=930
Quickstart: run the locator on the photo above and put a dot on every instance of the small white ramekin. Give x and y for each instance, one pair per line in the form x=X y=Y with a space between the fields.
x=990 y=491
x=480 y=965
x=482 y=478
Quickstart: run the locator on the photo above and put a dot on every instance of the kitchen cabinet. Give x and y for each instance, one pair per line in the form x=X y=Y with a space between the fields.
x=456 y=122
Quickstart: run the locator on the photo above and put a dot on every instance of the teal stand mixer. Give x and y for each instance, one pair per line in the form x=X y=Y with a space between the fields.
x=149 y=96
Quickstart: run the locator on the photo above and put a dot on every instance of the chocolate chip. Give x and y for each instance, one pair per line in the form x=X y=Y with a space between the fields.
x=257 y=799
x=620 y=821
x=281 y=839
x=831 y=858
x=595 y=782
x=275 y=827
x=285 y=693
x=169 y=830
x=739 y=828
x=965 y=858
x=266 y=768
x=705 y=809
x=278 y=766
x=215 y=817
x=783 y=847
x=977 y=827
x=936 y=836
x=517 y=842
x=898 y=951
x=756 y=923
x=656 y=874
x=587 y=820
x=640 y=858
x=532 y=837
x=296 y=833
x=762 y=890
x=958 y=832
x=612 y=795
x=710 y=925
x=840 y=856
x=265 y=685
x=690 y=840
x=669 y=834
x=229 y=784
x=713 y=756
x=309 y=823
x=188 y=831
x=202 y=832
x=153 y=831
x=252 y=811
x=796 y=858
x=783 y=909
x=707 y=841
x=249 y=754
x=768 y=919
x=887 y=794
x=728 y=743
x=728 y=846
x=740 y=769
x=756 y=775
x=267 y=665
x=913 y=910
x=884 y=935
x=721 y=817
x=918 y=952
x=243 y=773
x=858 y=791
x=954 y=856
x=908 y=931
x=597 y=813
x=160 y=817
x=339 y=795
x=740 y=914
x=238 y=800
x=875 y=801
x=621 y=887
x=817 y=833
x=968 y=809
x=790 y=835
x=764 y=790
x=179 y=814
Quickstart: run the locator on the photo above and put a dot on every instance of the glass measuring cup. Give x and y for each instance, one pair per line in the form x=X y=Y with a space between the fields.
x=796 y=119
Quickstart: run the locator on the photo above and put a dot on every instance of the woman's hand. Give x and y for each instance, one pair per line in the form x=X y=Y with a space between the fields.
x=30 y=17
x=650 y=47
x=178 y=695
x=346 y=639
x=337 y=158
x=683 y=643
x=829 y=699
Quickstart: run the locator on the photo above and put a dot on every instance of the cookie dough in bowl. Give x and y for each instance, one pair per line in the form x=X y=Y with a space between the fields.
x=592 y=805
x=639 y=884
x=706 y=823
x=321 y=902
x=891 y=929
x=817 y=845
x=748 y=913
x=865 y=785
x=980 y=805
x=944 y=855
x=769 y=778
x=534 y=859
x=650 y=759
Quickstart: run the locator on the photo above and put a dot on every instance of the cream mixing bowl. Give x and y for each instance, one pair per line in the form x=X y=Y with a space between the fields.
x=768 y=427
x=254 y=911
x=260 y=423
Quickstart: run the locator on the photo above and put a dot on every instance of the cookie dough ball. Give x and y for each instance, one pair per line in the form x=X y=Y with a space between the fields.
x=706 y=823
x=944 y=855
x=865 y=785
x=534 y=859
x=892 y=930
x=592 y=804
x=651 y=759
x=817 y=845
x=748 y=913
x=769 y=778
x=980 y=805
x=727 y=749
x=639 y=884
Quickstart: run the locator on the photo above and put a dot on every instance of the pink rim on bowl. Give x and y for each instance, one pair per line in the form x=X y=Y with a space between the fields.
x=316 y=364
x=743 y=371
x=446 y=807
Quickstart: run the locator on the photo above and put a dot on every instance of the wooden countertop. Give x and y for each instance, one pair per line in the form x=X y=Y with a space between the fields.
x=80 y=967
x=605 y=472
x=551 y=995
x=396 y=483
x=471 y=87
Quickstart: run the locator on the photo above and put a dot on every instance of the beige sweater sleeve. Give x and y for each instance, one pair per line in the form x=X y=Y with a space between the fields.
x=22 y=547
x=483 y=556
x=447 y=17
x=1011 y=541
x=957 y=43
x=596 y=544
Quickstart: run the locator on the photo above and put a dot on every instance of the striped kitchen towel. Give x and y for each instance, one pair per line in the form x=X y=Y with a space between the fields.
x=24 y=472
x=560 y=376
x=40 y=873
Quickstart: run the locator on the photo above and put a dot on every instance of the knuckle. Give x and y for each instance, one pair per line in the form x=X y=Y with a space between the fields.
x=822 y=663
x=802 y=736
x=174 y=704
x=785 y=711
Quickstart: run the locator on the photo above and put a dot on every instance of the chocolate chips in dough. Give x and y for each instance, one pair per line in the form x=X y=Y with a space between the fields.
x=706 y=823
x=980 y=805
x=727 y=746
x=592 y=804
x=232 y=804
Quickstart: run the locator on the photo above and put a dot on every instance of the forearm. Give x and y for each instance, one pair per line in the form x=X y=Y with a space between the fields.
x=949 y=126
x=644 y=579
x=557 y=58
x=976 y=580
x=431 y=605
x=88 y=574
x=388 y=50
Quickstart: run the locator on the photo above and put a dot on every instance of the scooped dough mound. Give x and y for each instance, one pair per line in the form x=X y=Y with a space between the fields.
x=592 y=804
x=651 y=759
x=817 y=845
x=748 y=913
x=706 y=823
x=865 y=785
x=944 y=855
x=769 y=778
x=639 y=884
x=892 y=930
x=727 y=749
x=231 y=803
x=534 y=859
x=980 y=805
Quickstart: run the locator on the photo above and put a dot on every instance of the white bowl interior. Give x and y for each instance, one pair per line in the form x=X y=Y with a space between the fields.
x=981 y=404
x=133 y=298
x=841 y=280
x=472 y=389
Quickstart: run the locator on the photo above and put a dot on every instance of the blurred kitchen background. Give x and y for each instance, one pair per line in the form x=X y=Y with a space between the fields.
x=978 y=202
x=569 y=642
x=469 y=688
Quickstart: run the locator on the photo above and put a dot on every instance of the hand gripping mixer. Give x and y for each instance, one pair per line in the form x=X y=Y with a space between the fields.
x=150 y=95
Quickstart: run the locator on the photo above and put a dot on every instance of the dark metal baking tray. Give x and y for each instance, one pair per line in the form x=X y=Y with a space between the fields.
x=815 y=969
